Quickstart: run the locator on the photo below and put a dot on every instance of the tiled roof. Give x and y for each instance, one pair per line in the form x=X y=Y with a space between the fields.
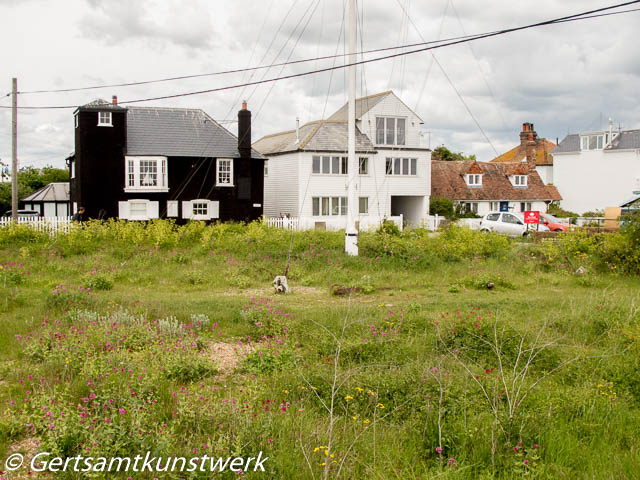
x=363 y=105
x=178 y=132
x=54 y=192
x=447 y=181
x=474 y=168
x=518 y=154
x=321 y=135
x=625 y=140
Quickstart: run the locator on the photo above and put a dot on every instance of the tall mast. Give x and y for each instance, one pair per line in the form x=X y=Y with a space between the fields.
x=351 y=233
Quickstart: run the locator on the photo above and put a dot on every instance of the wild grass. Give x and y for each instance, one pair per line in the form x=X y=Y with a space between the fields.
x=112 y=328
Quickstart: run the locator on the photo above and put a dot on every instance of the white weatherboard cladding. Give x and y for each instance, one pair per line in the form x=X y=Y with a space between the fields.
x=595 y=179
x=484 y=207
x=378 y=186
x=281 y=185
x=391 y=106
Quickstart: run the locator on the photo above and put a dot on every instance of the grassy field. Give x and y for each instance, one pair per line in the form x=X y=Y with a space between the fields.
x=121 y=339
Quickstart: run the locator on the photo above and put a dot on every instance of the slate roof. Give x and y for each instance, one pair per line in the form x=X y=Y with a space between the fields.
x=363 y=105
x=625 y=140
x=179 y=132
x=447 y=180
x=54 y=192
x=101 y=104
x=321 y=135
x=519 y=154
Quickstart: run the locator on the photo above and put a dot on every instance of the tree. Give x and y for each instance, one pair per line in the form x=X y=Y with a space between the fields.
x=31 y=179
x=442 y=153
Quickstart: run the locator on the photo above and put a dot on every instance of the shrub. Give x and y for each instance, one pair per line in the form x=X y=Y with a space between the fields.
x=98 y=282
x=441 y=206
x=267 y=361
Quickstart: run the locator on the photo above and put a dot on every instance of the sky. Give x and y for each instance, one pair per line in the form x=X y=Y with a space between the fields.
x=473 y=98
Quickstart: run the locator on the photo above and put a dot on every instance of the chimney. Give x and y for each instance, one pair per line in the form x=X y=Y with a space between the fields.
x=297 y=130
x=244 y=131
x=114 y=100
x=530 y=149
x=527 y=129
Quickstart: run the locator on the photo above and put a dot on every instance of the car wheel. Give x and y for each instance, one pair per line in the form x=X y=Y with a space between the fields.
x=558 y=230
x=485 y=230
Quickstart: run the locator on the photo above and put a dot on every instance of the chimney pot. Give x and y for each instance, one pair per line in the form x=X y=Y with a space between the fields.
x=244 y=105
x=114 y=100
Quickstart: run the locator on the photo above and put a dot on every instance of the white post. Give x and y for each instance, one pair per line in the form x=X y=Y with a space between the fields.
x=351 y=233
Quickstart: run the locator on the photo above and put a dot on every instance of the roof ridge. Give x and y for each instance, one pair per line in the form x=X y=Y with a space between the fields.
x=374 y=95
x=303 y=143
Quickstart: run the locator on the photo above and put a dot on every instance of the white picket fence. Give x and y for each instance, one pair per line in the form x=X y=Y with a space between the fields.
x=41 y=224
x=337 y=223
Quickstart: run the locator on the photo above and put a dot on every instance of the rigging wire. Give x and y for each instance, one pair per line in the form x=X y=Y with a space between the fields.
x=575 y=17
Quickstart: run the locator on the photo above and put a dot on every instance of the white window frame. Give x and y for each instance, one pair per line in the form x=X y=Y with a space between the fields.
x=151 y=209
x=329 y=165
x=400 y=166
x=387 y=127
x=72 y=166
x=329 y=206
x=363 y=166
x=520 y=180
x=105 y=119
x=528 y=206
x=474 y=179
x=189 y=209
x=471 y=207
x=600 y=140
x=365 y=210
x=132 y=180
x=219 y=163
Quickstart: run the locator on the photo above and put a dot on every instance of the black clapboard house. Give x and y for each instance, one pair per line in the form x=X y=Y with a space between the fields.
x=140 y=163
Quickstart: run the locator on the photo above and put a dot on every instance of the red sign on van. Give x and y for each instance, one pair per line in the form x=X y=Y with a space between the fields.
x=531 y=216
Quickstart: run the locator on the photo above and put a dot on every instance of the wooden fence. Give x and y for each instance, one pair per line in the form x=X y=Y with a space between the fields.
x=49 y=225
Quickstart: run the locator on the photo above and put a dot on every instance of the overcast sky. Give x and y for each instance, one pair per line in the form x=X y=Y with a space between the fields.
x=563 y=78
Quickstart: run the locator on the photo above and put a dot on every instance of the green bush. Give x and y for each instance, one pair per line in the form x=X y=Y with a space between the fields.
x=441 y=206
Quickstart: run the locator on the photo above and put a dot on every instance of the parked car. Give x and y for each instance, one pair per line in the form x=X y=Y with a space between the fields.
x=23 y=214
x=552 y=223
x=507 y=223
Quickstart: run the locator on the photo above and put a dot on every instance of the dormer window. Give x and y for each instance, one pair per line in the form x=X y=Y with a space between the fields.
x=594 y=142
x=520 y=180
x=390 y=131
x=104 y=119
x=474 y=180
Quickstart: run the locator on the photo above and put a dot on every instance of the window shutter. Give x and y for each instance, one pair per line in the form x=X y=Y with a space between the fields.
x=172 y=208
x=214 y=209
x=123 y=210
x=152 y=210
x=187 y=210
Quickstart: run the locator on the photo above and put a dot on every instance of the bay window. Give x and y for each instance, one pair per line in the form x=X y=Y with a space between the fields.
x=146 y=174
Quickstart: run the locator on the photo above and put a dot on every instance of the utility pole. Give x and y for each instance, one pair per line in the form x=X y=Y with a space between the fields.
x=14 y=149
x=351 y=232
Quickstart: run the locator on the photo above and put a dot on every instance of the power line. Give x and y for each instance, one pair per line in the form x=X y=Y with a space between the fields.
x=569 y=18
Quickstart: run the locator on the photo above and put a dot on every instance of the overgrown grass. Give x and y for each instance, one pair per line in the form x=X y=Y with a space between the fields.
x=114 y=328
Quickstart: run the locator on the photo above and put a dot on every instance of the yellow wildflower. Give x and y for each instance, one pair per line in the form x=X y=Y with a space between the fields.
x=379 y=405
x=348 y=397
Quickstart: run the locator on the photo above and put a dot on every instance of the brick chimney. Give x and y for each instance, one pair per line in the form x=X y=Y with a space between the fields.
x=530 y=149
x=244 y=131
x=114 y=100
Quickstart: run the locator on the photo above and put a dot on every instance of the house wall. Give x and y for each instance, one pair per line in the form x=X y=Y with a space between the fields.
x=595 y=179
x=195 y=179
x=99 y=162
x=281 y=186
x=377 y=185
x=391 y=106
x=546 y=173
x=484 y=207
x=100 y=175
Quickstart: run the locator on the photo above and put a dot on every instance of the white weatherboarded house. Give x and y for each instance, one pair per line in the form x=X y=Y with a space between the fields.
x=596 y=170
x=306 y=171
